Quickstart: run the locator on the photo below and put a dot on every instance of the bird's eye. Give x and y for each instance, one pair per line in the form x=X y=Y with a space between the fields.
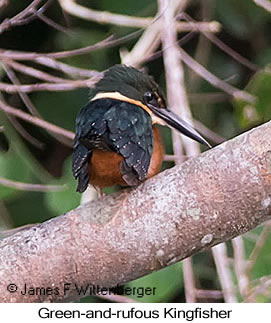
x=149 y=97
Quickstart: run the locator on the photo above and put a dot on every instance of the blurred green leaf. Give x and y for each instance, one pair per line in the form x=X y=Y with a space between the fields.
x=264 y=298
x=22 y=152
x=131 y=7
x=262 y=265
x=264 y=57
x=249 y=115
x=12 y=167
x=167 y=283
x=241 y=17
x=63 y=201
x=61 y=108
x=28 y=208
x=80 y=37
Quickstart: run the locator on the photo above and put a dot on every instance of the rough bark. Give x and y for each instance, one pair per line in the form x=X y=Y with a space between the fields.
x=219 y=195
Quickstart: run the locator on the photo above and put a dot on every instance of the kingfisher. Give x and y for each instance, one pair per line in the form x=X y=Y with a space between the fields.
x=116 y=138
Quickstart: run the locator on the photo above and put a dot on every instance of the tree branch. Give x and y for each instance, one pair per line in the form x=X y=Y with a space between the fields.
x=214 y=80
x=30 y=186
x=105 y=17
x=178 y=101
x=264 y=4
x=22 y=17
x=35 y=120
x=219 y=195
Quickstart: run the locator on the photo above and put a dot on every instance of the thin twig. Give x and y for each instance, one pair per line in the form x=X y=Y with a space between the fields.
x=103 y=17
x=264 y=4
x=53 y=24
x=39 y=122
x=3 y=3
x=222 y=265
x=31 y=187
x=34 y=72
x=203 y=50
x=176 y=91
x=144 y=48
x=54 y=87
x=214 y=80
x=209 y=294
x=73 y=71
x=17 y=55
x=240 y=265
x=26 y=135
x=20 y=148
x=258 y=247
x=22 y=17
x=263 y=286
x=251 y=236
x=227 y=49
x=209 y=97
x=208 y=133
x=175 y=158
x=30 y=106
x=154 y=55
x=105 y=43
x=189 y=281
x=224 y=47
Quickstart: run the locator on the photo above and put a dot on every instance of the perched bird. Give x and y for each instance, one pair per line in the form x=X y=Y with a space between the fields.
x=116 y=141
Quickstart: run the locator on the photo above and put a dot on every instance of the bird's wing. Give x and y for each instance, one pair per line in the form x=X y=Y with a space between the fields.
x=130 y=133
x=90 y=126
x=118 y=126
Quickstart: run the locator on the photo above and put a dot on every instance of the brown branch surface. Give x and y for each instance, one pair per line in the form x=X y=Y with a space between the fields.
x=219 y=195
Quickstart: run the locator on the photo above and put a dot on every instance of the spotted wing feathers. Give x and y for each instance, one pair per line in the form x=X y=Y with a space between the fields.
x=130 y=133
x=90 y=126
x=118 y=126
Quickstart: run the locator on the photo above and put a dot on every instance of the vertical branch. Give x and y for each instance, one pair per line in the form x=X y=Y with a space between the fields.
x=177 y=97
x=149 y=41
x=203 y=47
x=240 y=265
x=189 y=281
x=176 y=91
x=222 y=266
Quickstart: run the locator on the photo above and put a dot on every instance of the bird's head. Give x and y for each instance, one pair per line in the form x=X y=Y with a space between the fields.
x=126 y=83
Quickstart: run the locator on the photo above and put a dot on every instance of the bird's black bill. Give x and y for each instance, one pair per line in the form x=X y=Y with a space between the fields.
x=174 y=121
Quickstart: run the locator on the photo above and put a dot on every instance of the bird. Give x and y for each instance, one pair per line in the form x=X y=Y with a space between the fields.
x=117 y=140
